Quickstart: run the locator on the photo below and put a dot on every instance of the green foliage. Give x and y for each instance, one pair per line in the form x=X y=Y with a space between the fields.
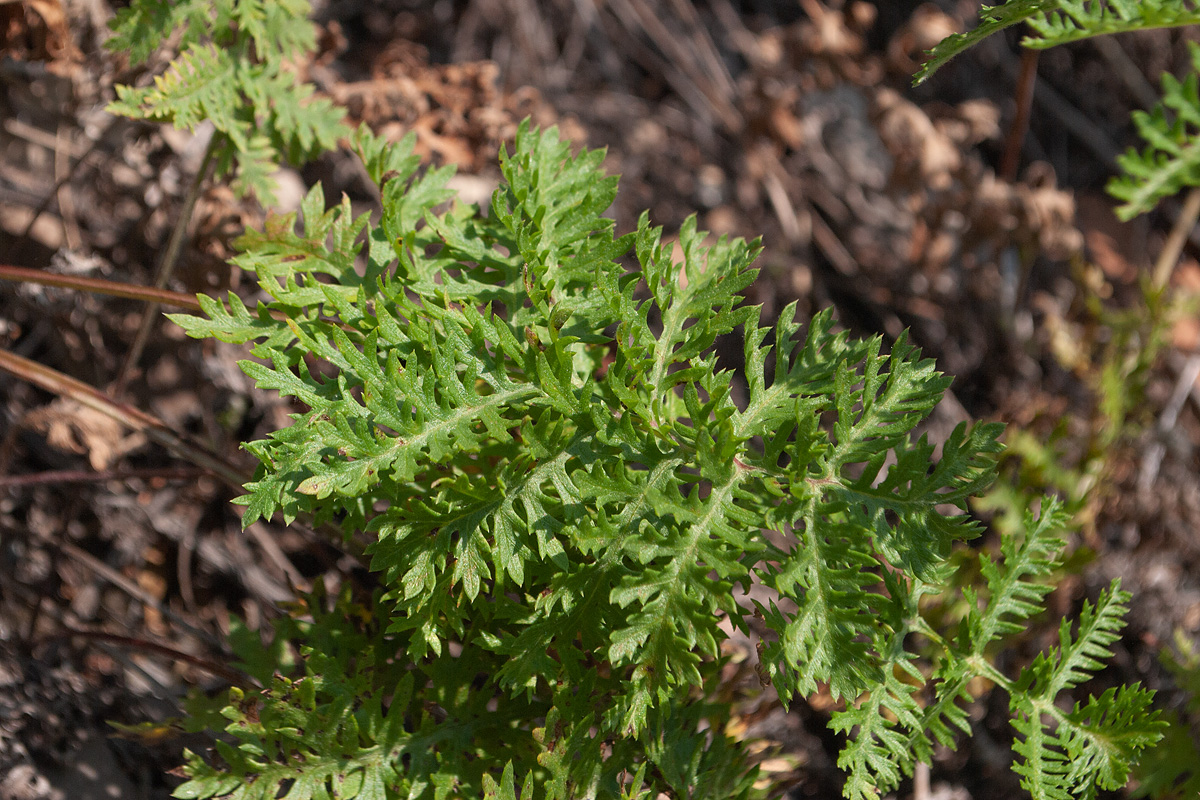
x=359 y=721
x=992 y=19
x=1097 y=739
x=1071 y=20
x=1055 y=22
x=1093 y=736
x=569 y=495
x=235 y=69
x=1171 y=160
x=1172 y=769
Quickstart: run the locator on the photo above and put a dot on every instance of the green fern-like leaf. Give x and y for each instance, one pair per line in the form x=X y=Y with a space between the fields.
x=232 y=71
x=1093 y=745
x=1065 y=754
x=1073 y=20
x=201 y=84
x=279 y=29
x=1014 y=597
x=881 y=752
x=992 y=19
x=1055 y=22
x=141 y=27
x=1171 y=160
x=1172 y=768
x=564 y=495
x=348 y=723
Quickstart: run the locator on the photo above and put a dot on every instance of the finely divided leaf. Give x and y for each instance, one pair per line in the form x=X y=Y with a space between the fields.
x=563 y=487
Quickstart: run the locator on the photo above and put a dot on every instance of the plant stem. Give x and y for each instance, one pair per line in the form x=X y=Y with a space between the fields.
x=165 y=269
x=236 y=677
x=1020 y=125
x=130 y=291
x=85 y=476
x=155 y=429
x=1169 y=254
